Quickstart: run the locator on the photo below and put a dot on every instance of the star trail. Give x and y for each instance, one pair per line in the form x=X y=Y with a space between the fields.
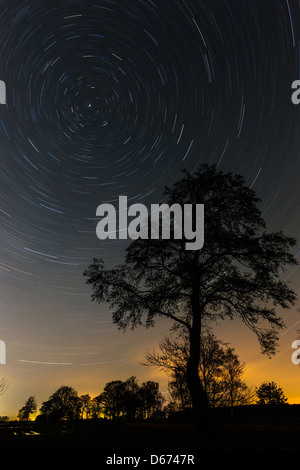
x=109 y=98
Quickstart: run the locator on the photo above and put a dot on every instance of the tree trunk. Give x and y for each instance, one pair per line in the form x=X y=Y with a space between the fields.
x=197 y=392
x=198 y=395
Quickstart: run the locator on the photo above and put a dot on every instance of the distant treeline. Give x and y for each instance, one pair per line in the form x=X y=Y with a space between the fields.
x=129 y=401
x=119 y=399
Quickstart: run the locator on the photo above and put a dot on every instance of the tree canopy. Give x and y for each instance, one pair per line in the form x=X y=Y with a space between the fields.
x=28 y=409
x=130 y=400
x=62 y=404
x=269 y=393
x=220 y=371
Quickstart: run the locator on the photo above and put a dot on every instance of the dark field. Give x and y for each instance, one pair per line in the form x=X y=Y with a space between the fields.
x=249 y=429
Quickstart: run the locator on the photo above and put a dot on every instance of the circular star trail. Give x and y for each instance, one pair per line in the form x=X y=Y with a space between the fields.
x=109 y=98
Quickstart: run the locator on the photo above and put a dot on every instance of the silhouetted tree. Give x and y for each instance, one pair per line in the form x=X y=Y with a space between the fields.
x=112 y=399
x=269 y=393
x=235 y=274
x=173 y=355
x=180 y=397
x=29 y=408
x=212 y=355
x=151 y=400
x=62 y=404
x=172 y=359
x=220 y=371
x=129 y=400
x=86 y=405
x=97 y=408
x=232 y=387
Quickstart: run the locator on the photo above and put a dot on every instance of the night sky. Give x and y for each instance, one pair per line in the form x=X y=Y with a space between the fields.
x=109 y=98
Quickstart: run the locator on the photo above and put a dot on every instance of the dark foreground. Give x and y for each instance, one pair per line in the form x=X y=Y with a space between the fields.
x=248 y=429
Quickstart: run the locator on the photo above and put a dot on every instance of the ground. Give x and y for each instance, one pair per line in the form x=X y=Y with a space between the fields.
x=249 y=429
